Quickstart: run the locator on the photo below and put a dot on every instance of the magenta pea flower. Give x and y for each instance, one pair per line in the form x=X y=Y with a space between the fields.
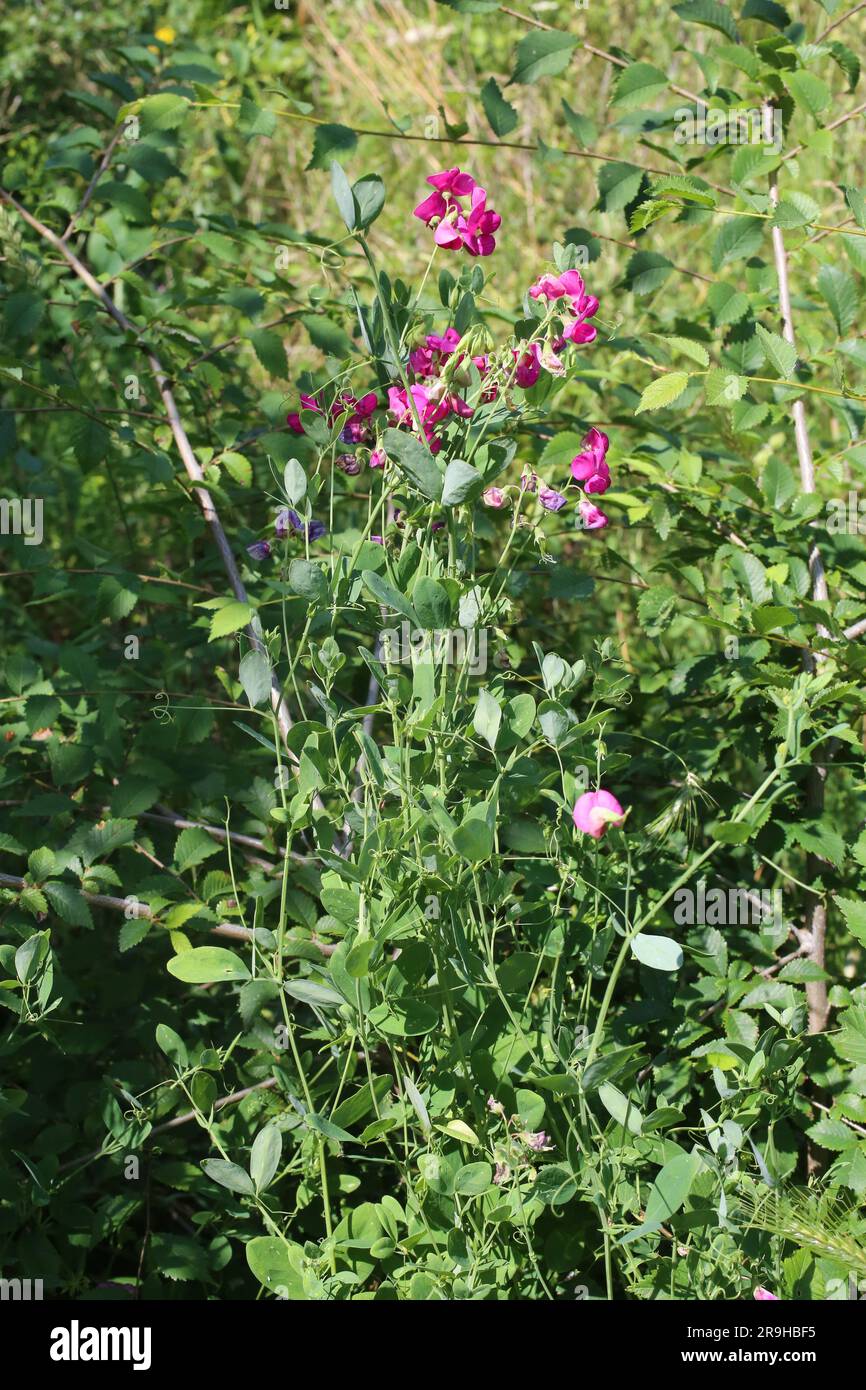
x=547 y=287
x=528 y=366
x=493 y=497
x=293 y=419
x=595 y=811
x=452 y=181
x=460 y=185
x=590 y=465
x=455 y=227
x=476 y=231
x=378 y=458
x=764 y=1295
x=593 y=518
x=356 y=429
x=550 y=499
x=427 y=360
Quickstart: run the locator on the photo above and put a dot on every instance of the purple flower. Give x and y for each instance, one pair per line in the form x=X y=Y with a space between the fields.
x=288 y=519
x=259 y=550
x=348 y=464
x=538 y=1141
x=550 y=499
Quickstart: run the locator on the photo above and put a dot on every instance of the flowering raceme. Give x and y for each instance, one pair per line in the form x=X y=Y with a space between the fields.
x=456 y=227
x=569 y=285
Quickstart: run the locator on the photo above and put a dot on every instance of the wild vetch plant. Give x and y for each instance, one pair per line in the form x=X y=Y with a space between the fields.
x=433 y=706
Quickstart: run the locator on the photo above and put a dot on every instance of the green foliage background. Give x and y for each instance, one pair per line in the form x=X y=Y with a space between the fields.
x=703 y=1122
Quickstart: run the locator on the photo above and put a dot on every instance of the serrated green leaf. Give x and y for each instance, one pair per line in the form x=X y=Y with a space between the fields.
x=663 y=391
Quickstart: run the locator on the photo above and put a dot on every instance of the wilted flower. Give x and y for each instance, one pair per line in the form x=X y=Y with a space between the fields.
x=501 y=1173
x=550 y=499
x=595 y=811
x=549 y=358
x=593 y=517
x=495 y=1106
x=347 y=463
x=259 y=550
x=682 y=811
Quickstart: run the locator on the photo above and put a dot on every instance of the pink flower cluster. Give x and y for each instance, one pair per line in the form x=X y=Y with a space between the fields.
x=432 y=405
x=581 y=306
x=429 y=360
x=456 y=226
x=434 y=400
